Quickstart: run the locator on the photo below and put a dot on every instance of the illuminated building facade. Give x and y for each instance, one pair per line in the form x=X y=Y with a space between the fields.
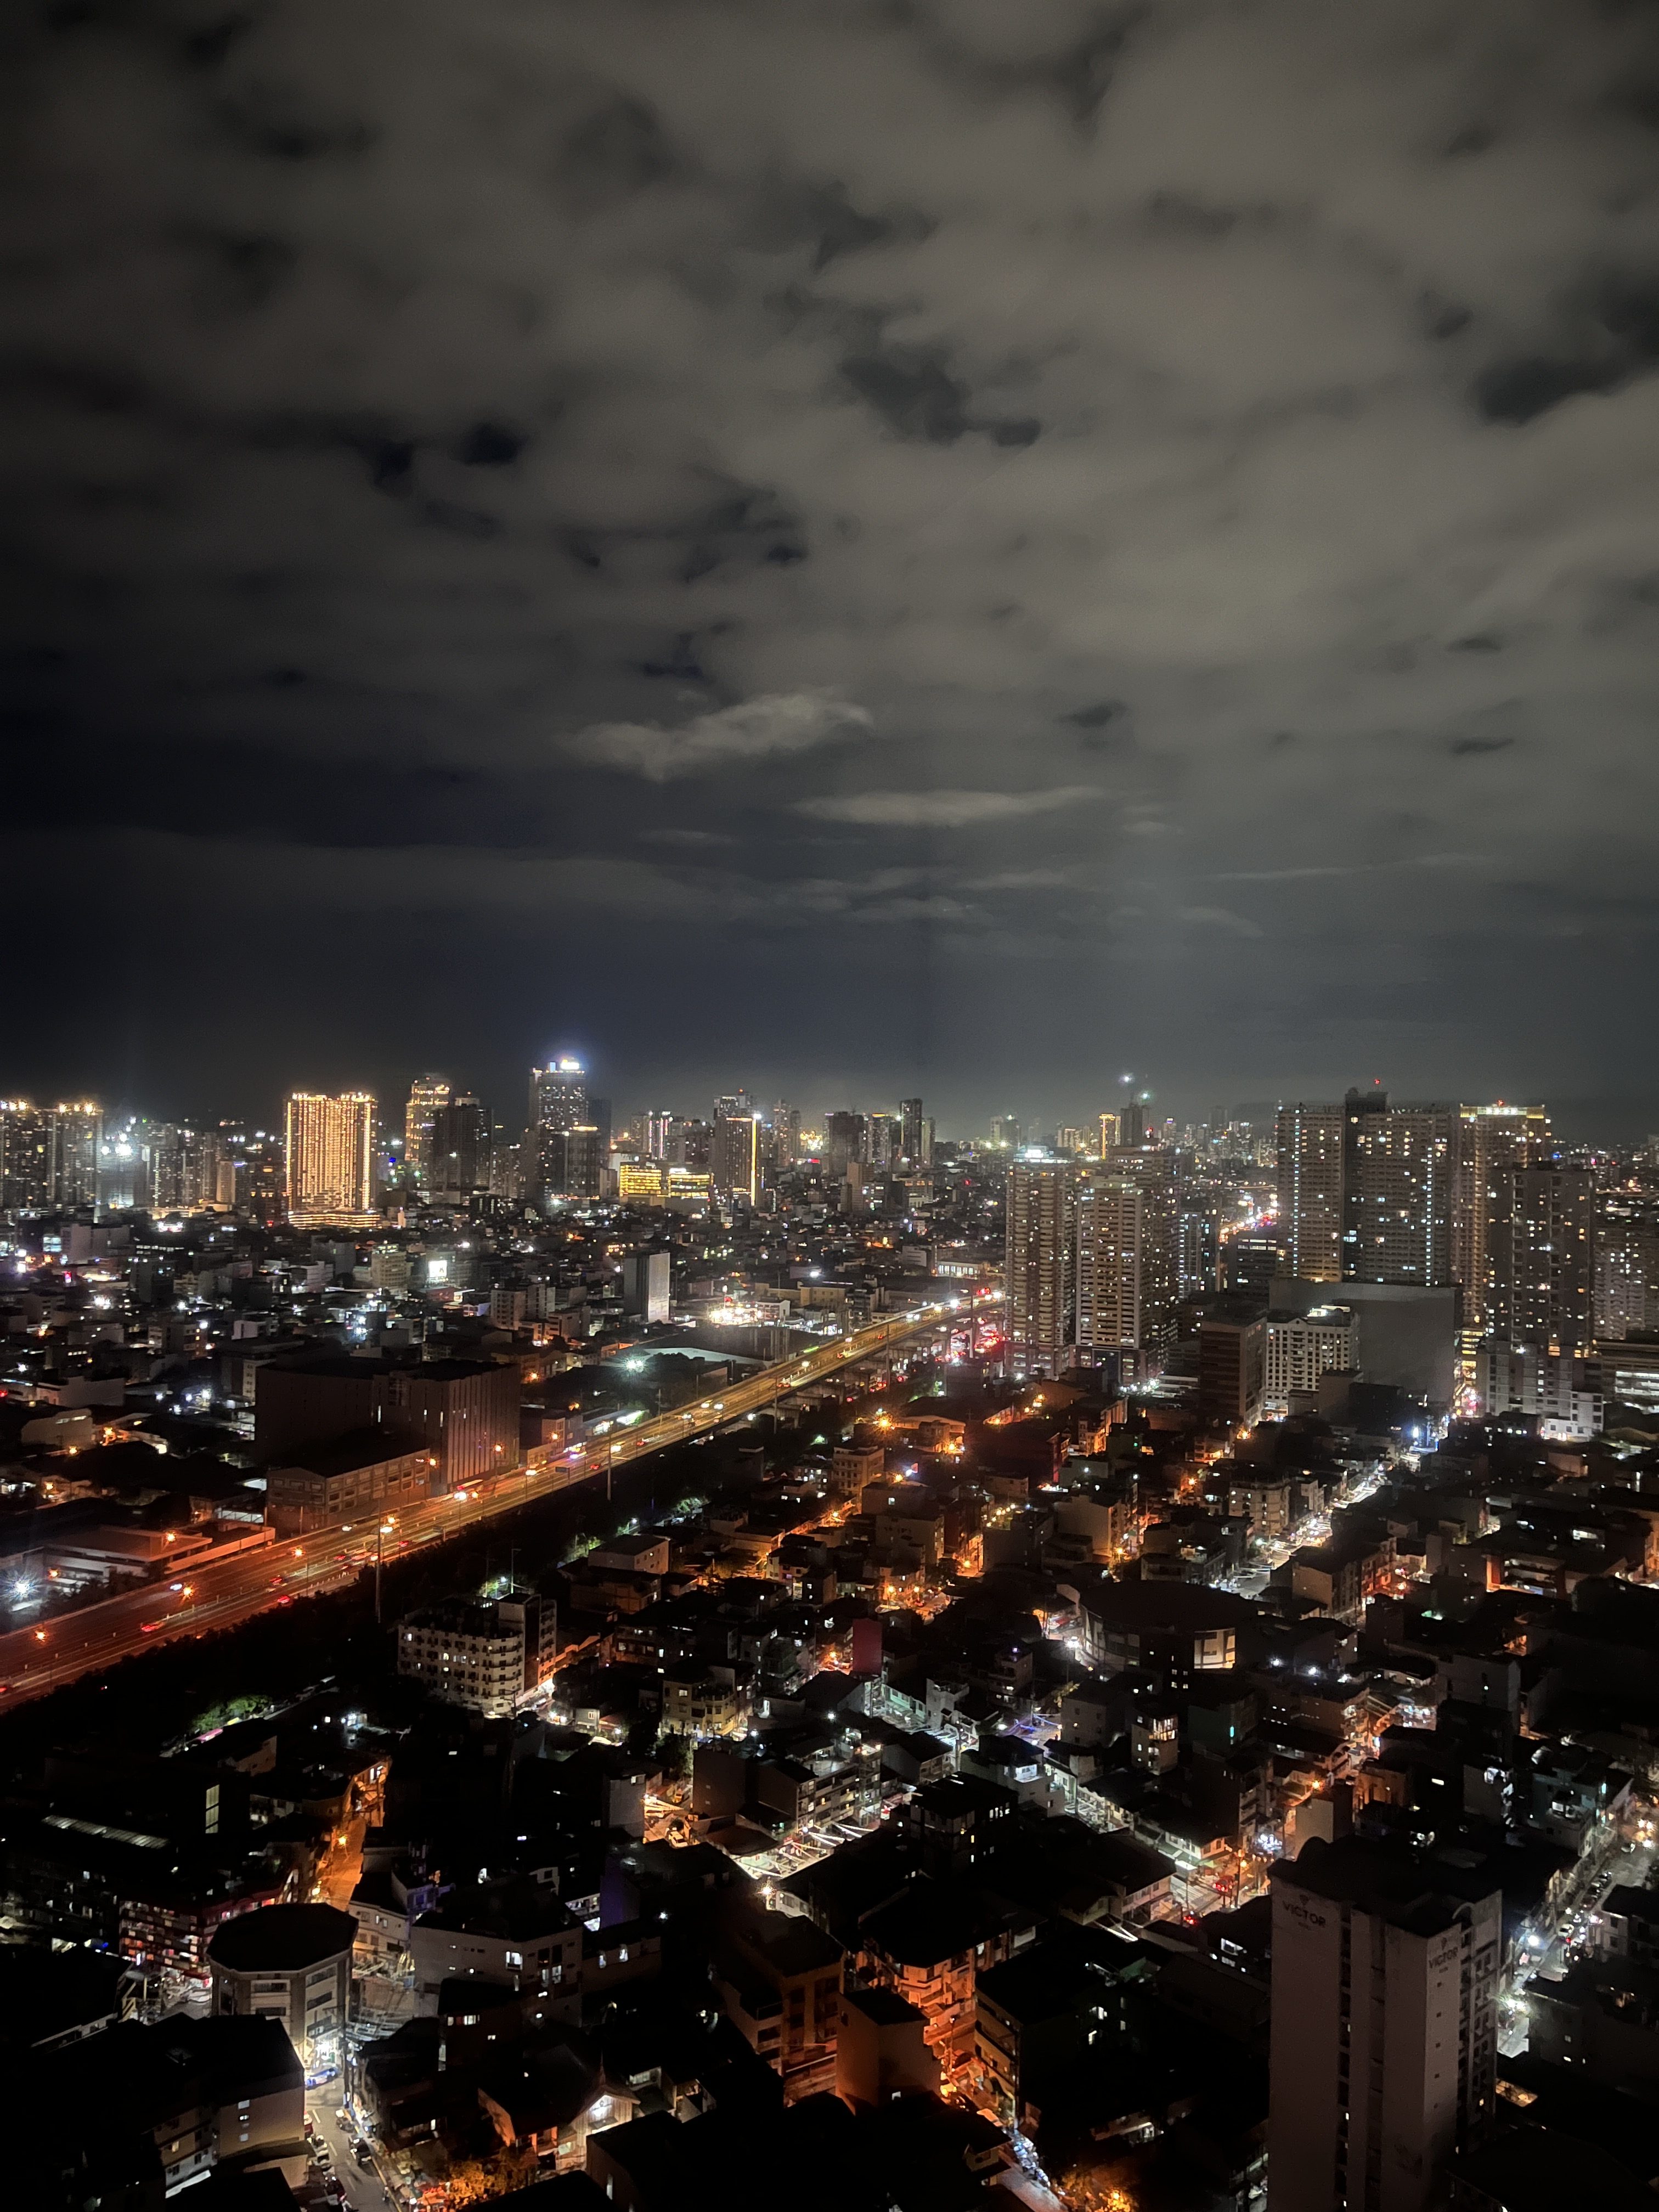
x=1040 y=1266
x=1400 y=1182
x=1494 y=1141
x=427 y=1094
x=1309 y=1148
x=457 y=1163
x=1543 y=1258
x=1109 y=1263
x=328 y=1156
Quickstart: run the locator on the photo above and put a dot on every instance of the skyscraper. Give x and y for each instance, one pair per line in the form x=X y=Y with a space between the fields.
x=1400 y=1182
x=845 y=1142
x=735 y=1160
x=426 y=1095
x=659 y=1127
x=1108 y=1262
x=72 y=1133
x=25 y=1162
x=884 y=1140
x=1310 y=1191
x=786 y=1133
x=916 y=1141
x=1007 y=1133
x=1543 y=1254
x=558 y=1102
x=573 y=1162
x=1156 y=1172
x=1111 y=1133
x=1041 y=1265
x=1494 y=1140
x=327 y=1150
x=1384 y=2025
x=457 y=1159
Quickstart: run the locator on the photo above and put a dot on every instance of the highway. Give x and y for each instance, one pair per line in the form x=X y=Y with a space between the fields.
x=220 y=1593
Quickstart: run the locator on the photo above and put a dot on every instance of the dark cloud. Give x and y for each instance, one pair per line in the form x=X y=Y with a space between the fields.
x=675 y=481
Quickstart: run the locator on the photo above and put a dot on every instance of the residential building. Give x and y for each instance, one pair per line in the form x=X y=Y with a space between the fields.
x=328 y=1156
x=1384 y=2025
x=1309 y=1148
x=485 y=1655
x=1042 y=1217
x=291 y=1963
x=1301 y=1347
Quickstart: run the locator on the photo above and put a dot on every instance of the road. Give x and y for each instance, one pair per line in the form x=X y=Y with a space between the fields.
x=221 y=1593
x=365 y=2190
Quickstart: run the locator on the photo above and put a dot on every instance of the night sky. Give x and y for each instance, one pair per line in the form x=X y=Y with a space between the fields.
x=968 y=546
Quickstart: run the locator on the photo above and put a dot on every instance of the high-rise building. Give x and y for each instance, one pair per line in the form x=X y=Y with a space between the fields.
x=1542 y=1251
x=885 y=1140
x=1301 y=1347
x=689 y=1144
x=1007 y=1133
x=1400 y=1184
x=646 y=1286
x=185 y=1165
x=916 y=1134
x=658 y=1128
x=1493 y=1140
x=123 y=1171
x=1041 y=1266
x=426 y=1095
x=1627 y=1267
x=1131 y=1119
x=786 y=1134
x=1198 y=1260
x=1107 y=1289
x=1310 y=1191
x=1156 y=1173
x=573 y=1162
x=1111 y=1134
x=327 y=1154
x=558 y=1103
x=73 y=1131
x=1384 y=2025
x=25 y=1158
x=845 y=1142
x=457 y=1163
x=735 y=1160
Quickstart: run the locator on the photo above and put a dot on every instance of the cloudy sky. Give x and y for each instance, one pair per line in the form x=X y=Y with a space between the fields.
x=968 y=545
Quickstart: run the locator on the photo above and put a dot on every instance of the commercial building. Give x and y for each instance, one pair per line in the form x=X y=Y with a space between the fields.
x=290 y=1963
x=457 y=1162
x=644 y=1286
x=351 y=1481
x=1041 y=1219
x=1384 y=2025
x=463 y=1413
x=916 y=1138
x=735 y=1160
x=573 y=1162
x=427 y=1094
x=328 y=1156
x=483 y=1654
x=1563 y=1392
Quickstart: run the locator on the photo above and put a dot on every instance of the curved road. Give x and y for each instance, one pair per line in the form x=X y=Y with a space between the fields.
x=220 y=1593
